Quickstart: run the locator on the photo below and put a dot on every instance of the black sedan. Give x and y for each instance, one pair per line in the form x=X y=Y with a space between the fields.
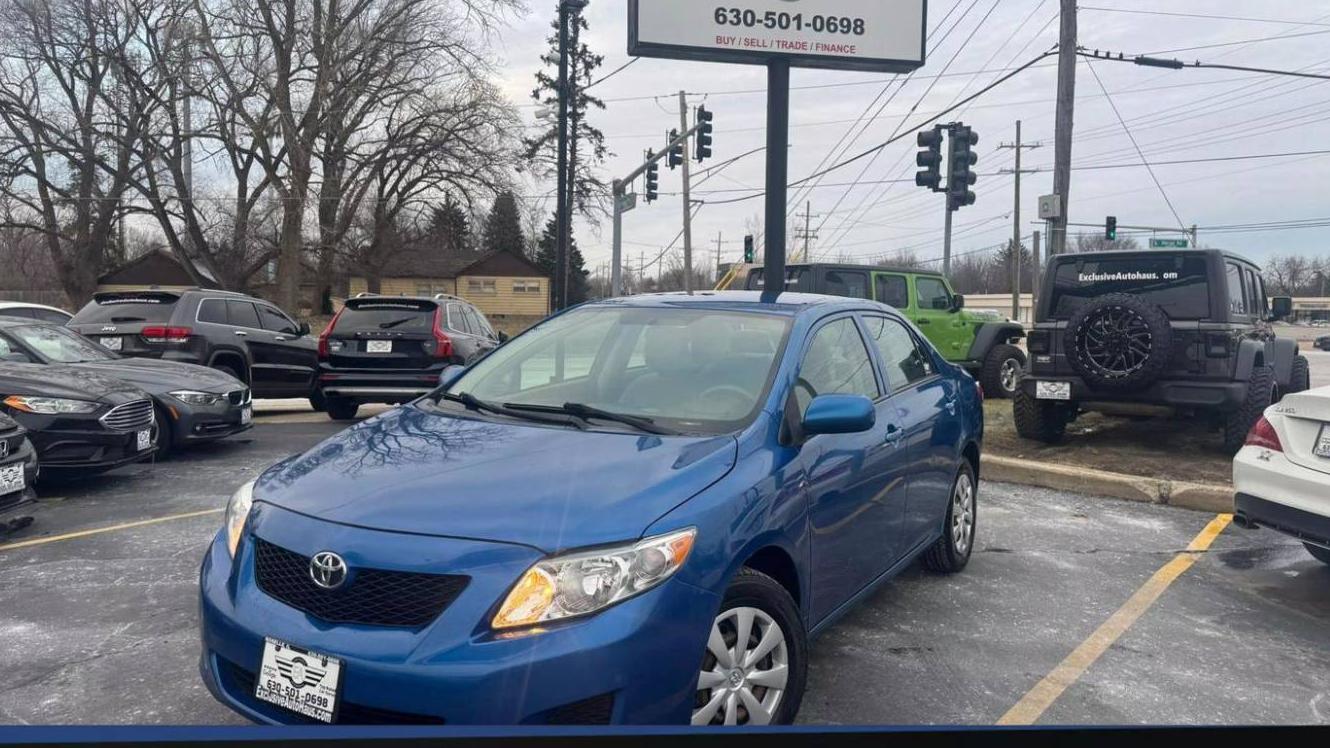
x=1323 y=343
x=18 y=471
x=79 y=421
x=193 y=403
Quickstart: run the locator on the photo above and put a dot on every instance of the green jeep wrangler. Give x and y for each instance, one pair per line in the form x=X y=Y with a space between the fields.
x=983 y=344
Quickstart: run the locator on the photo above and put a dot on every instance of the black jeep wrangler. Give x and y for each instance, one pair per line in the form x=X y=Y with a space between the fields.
x=1137 y=333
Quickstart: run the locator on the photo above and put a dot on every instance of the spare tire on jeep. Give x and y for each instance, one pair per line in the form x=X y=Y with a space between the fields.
x=1119 y=342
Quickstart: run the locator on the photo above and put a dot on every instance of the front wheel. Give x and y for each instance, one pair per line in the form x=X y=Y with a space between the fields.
x=1319 y=553
x=756 y=664
x=951 y=553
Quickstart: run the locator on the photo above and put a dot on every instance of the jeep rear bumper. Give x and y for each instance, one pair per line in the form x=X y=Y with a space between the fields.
x=1221 y=396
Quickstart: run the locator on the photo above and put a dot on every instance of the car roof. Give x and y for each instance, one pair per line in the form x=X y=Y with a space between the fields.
x=789 y=304
x=1072 y=256
x=869 y=268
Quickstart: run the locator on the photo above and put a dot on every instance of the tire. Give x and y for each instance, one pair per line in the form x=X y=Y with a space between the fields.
x=754 y=594
x=340 y=409
x=1040 y=420
x=1002 y=370
x=1300 y=379
x=229 y=369
x=1261 y=394
x=952 y=551
x=317 y=401
x=165 y=436
x=1120 y=343
x=1319 y=553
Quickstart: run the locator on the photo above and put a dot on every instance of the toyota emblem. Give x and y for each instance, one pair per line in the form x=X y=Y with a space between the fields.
x=328 y=570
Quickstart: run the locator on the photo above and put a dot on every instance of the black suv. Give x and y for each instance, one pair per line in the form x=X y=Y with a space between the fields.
x=248 y=338
x=391 y=349
x=1160 y=332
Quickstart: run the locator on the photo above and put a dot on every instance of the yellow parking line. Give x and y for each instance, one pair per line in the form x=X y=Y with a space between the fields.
x=102 y=530
x=1033 y=705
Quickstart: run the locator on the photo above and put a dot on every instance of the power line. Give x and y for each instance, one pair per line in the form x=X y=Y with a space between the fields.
x=1277 y=37
x=1206 y=16
x=616 y=71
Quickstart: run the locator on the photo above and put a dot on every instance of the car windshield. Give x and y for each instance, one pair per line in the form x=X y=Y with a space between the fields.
x=58 y=345
x=691 y=370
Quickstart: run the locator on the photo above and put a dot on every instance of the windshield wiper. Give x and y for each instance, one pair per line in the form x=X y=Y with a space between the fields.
x=396 y=322
x=641 y=423
x=474 y=403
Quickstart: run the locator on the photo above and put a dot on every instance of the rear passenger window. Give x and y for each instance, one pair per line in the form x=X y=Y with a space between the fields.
x=19 y=312
x=1237 y=291
x=837 y=363
x=845 y=283
x=893 y=290
x=214 y=311
x=46 y=315
x=242 y=314
x=457 y=320
x=902 y=360
x=473 y=321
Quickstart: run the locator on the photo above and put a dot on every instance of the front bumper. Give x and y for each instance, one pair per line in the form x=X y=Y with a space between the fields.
x=202 y=423
x=85 y=446
x=26 y=456
x=1218 y=395
x=634 y=663
x=1273 y=492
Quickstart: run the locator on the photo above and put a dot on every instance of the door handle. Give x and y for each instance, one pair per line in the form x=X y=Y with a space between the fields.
x=241 y=334
x=893 y=437
x=281 y=338
x=951 y=407
x=923 y=322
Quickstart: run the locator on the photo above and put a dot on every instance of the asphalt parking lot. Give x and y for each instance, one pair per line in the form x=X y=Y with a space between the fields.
x=1066 y=615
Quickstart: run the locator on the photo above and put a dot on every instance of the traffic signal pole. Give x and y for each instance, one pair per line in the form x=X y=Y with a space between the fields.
x=623 y=202
x=687 y=203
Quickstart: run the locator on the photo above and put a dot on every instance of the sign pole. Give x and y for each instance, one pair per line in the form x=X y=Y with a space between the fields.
x=616 y=266
x=778 y=166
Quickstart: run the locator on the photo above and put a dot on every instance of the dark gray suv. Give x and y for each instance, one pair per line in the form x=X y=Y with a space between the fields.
x=246 y=337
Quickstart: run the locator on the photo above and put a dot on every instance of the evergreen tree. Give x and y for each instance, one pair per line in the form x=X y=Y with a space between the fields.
x=503 y=226
x=450 y=229
x=579 y=285
x=586 y=143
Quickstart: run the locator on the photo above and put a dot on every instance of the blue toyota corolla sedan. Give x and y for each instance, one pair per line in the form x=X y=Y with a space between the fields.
x=638 y=511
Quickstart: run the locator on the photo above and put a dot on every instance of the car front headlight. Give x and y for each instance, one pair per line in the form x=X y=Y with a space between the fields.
x=237 y=511
x=582 y=583
x=194 y=397
x=49 y=406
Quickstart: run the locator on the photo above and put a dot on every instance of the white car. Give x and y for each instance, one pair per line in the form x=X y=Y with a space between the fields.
x=1282 y=475
x=34 y=311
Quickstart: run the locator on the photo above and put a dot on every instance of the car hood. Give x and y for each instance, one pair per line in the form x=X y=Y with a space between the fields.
x=63 y=380
x=159 y=377
x=414 y=470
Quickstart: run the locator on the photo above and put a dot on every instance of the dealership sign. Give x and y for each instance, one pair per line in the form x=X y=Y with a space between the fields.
x=871 y=35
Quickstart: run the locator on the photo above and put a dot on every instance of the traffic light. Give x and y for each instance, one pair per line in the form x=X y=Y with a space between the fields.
x=676 y=152
x=704 y=130
x=1111 y=229
x=960 y=166
x=653 y=178
x=930 y=159
x=750 y=251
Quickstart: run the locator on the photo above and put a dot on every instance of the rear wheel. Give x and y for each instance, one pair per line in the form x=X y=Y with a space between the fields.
x=1319 y=553
x=1040 y=420
x=951 y=552
x=1300 y=380
x=340 y=409
x=1261 y=394
x=756 y=665
x=1002 y=371
x=231 y=369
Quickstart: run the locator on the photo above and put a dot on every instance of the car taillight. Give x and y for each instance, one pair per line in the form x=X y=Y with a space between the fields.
x=443 y=345
x=166 y=334
x=324 y=352
x=1038 y=342
x=1263 y=435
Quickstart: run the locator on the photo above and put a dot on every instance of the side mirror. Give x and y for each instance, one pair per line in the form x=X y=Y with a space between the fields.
x=957 y=303
x=503 y=337
x=303 y=329
x=839 y=414
x=1281 y=308
x=16 y=358
x=451 y=375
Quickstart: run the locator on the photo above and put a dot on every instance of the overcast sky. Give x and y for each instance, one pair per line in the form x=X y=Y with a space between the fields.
x=1173 y=115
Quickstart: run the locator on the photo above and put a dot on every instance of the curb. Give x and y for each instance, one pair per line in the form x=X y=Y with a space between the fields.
x=1201 y=497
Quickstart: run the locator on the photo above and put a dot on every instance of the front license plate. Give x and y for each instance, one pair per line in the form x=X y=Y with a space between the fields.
x=1052 y=390
x=246 y=415
x=1323 y=442
x=297 y=679
x=143 y=440
x=379 y=346
x=113 y=344
x=11 y=479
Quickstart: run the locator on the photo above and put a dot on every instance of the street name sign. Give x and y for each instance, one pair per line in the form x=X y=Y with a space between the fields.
x=868 y=35
x=1169 y=244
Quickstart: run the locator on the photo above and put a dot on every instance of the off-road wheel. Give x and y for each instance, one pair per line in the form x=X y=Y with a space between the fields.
x=1119 y=342
x=1261 y=394
x=1002 y=371
x=1300 y=379
x=1040 y=420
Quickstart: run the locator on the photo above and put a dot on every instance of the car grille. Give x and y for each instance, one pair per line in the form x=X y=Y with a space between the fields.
x=241 y=682
x=239 y=397
x=130 y=416
x=370 y=597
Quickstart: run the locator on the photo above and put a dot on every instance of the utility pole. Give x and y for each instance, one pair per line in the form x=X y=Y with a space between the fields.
x=1038 y=275
x=807 y=233
x=720 y=239
x=567 y=8
x=1065 y=122
x=687 y=203
x=1019 y=147
x=946 y=245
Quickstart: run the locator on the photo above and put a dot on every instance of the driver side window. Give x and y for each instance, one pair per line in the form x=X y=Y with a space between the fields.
x=836 y=363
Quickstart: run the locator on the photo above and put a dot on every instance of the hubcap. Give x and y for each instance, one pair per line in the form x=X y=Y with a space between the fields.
x=1011 y=369
x=962 y=515
x=744 y=670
